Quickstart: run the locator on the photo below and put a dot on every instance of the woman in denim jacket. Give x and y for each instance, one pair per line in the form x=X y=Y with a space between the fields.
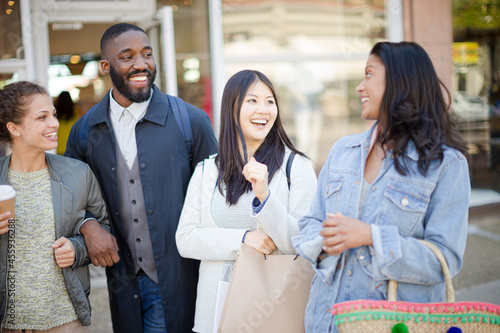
x=380 y=191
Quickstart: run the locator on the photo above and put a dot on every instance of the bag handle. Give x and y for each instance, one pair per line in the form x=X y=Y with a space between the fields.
x=450 y=293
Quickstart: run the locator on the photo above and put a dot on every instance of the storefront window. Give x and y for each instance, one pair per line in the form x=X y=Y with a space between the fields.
x=7 y=78
x=11 y=45
x=476 y=85
x=192 y=48
x=315 y=54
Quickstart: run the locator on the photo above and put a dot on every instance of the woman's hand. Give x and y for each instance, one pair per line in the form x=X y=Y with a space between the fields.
x=64 y=252
x=260 y=241
x=341 y=233
x=256 y=173
x=4 y=223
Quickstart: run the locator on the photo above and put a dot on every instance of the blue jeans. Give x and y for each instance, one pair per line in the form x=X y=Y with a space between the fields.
x=153 y=316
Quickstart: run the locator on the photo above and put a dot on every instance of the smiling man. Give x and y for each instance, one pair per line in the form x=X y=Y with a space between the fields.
x=137 y=150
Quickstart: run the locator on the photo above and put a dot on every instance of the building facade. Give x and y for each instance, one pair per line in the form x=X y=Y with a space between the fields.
x=313 y=51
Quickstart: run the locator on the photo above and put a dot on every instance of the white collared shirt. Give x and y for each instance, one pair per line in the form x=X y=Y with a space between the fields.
x=123 y=121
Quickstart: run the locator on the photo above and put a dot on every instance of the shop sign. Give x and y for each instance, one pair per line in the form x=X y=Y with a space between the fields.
x=466 y=53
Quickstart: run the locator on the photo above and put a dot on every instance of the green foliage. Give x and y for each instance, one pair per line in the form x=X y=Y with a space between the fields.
x=476 y=14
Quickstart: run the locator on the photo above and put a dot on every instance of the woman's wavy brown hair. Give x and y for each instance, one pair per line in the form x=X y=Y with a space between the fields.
x=14 y=98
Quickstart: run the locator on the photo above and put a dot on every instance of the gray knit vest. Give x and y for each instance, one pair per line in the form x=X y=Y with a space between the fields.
x=133 y=216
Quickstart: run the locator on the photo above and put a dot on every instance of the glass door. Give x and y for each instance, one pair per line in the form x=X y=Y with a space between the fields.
x=184 y=51
x=16 y=48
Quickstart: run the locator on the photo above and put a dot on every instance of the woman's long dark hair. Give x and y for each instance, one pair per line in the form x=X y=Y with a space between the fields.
x=413 y=107
x=230 y=161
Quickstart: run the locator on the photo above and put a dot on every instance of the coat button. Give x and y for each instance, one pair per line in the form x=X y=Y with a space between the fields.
x=138 y=240
x=361 y=257
x=349 y=272
x=143 y=165
x=136 y=296
x=131 y=181
x=405 y=201
x=113 y=169
x=150 y=212
x=139 y=259
x=136 y=220
x=134 y=202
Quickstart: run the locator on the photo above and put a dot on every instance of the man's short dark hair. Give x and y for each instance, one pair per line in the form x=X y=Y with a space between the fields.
x=114 y=31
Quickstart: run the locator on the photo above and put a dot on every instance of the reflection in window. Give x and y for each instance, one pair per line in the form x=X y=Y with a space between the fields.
x=192 y=51
x=10 y=31
x=314 y=52
x=7 y=78
x=476 y=85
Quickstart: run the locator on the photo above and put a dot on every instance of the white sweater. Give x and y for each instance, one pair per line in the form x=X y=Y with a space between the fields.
x=199 y=237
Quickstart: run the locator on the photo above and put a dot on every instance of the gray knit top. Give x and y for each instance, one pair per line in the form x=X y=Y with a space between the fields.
x=40 y=300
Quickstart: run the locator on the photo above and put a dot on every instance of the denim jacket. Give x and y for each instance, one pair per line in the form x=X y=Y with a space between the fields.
x=400 y=210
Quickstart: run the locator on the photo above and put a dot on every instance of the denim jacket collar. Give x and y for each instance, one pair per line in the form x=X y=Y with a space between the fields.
x=363 y=140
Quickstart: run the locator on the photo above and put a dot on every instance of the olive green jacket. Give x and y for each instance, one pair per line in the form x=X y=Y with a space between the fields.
x=74 y=192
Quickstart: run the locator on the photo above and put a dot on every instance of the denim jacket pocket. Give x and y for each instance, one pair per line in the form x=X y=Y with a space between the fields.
x=332 y=195
x=404 y=207
x=380 y=289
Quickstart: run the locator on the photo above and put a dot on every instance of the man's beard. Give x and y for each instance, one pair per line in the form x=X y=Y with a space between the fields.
x=138 y=96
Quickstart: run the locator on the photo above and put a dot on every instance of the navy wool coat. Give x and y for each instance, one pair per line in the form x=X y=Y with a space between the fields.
x=165 y=172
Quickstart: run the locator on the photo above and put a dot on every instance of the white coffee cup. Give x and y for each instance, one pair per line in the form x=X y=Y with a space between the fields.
x=7 y=200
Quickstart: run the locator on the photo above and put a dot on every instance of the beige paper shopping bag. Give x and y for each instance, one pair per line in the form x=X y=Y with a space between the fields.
x=266 y=293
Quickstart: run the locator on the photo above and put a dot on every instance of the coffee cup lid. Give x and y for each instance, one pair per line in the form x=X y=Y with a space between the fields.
x=6 y=192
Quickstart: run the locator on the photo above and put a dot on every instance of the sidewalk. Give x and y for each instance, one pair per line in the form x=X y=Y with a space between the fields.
x=101 y=317
x=479 y=279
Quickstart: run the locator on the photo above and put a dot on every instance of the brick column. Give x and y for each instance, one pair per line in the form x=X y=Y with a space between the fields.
x=429 y=23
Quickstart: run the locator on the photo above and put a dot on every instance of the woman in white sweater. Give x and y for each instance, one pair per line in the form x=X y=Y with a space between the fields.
x=242 y=195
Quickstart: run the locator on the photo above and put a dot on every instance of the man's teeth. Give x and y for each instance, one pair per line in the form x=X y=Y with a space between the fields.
x=138 y=78
x=260 y=122
x=364 y=99
x=50 y=134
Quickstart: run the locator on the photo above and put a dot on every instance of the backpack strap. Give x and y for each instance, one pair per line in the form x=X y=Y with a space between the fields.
x=181 y=116
x=85 y=129
x=289 y=168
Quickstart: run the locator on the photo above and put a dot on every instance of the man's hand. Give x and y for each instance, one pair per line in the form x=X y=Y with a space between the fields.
x=101 y=244
x=260 y=241
x=342 y=232
x=64 y=252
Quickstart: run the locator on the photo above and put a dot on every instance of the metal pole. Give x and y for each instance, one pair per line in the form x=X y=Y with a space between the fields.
x=168 y=42
x=394 y=13
x=216 y=59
